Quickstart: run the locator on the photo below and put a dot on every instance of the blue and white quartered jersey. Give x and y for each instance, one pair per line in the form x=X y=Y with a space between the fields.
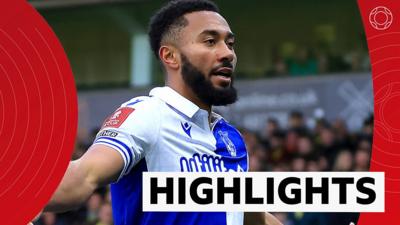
x=167 y=132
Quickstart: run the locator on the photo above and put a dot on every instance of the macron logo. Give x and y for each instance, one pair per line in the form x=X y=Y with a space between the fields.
x=186 y=127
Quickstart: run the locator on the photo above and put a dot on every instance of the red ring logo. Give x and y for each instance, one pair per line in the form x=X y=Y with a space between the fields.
x=381 y=18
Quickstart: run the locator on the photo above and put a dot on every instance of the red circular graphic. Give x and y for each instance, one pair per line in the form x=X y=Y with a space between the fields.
x=384 y=45
x=391 y=113
x=38 y=112
x=381 y=18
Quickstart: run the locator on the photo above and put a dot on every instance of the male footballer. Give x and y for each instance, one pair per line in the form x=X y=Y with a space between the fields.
x=174 y=128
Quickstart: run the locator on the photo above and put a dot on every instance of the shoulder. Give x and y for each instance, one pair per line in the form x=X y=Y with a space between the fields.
x=137 y=110
x=141 y=102
x=144 y=105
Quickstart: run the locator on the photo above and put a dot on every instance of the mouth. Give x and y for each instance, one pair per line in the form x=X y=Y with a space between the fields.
x=225 y=72
x=223 y=76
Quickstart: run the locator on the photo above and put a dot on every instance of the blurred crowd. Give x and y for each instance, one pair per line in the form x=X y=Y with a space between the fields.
x=325 y=147
x=293 y=60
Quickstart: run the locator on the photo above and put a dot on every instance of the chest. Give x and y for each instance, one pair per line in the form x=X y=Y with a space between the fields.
x=191 y=146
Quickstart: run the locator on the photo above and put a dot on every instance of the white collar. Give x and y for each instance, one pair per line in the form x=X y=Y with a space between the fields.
x=174 y=99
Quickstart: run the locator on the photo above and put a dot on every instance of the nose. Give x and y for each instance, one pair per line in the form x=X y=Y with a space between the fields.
x=225 y=53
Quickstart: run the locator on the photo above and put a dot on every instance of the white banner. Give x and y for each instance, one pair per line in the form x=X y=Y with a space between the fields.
x=264 y=191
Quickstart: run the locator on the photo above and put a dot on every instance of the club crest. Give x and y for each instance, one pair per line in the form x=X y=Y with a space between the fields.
x=228 y=143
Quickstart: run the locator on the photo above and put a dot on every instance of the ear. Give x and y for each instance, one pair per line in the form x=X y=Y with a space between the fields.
x=169 y=56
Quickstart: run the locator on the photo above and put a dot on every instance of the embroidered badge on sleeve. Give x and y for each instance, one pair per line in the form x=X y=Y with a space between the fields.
x=118 y=117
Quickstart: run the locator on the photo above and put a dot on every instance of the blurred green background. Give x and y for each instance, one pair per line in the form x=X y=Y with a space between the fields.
x=272 y=36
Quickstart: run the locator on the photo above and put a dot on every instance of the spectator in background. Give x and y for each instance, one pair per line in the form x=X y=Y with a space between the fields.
x=368 y=127
x=354 y=59
x=313 y=166
x=250 y=139
x=258 y=158
x=298 y=164
x=362 y=159
x=323 y=164
x=364 y=144
x=305 y=147
x=277 y=153
x=326 y=145
x=279 y=66
x=342 y=135
x=296 y=128
x=344 y=161
x=357 y=59
x=320 y=125
x=296 y=120
x=291 y=141
x=255 y=164
x=271 y=126
x=303 y=64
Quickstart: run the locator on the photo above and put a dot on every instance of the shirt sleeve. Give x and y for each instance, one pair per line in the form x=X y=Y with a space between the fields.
x=131 y=131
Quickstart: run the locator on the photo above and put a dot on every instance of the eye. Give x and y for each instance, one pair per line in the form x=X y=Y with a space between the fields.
x=230 y=44
x=210 y=42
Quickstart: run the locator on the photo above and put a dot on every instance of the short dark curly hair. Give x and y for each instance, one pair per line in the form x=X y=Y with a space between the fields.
x=169 y=20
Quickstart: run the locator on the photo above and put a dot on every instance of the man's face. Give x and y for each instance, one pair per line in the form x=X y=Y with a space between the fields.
x=208 y=59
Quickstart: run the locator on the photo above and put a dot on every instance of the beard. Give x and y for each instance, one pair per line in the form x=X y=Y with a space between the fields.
x=203 y=88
